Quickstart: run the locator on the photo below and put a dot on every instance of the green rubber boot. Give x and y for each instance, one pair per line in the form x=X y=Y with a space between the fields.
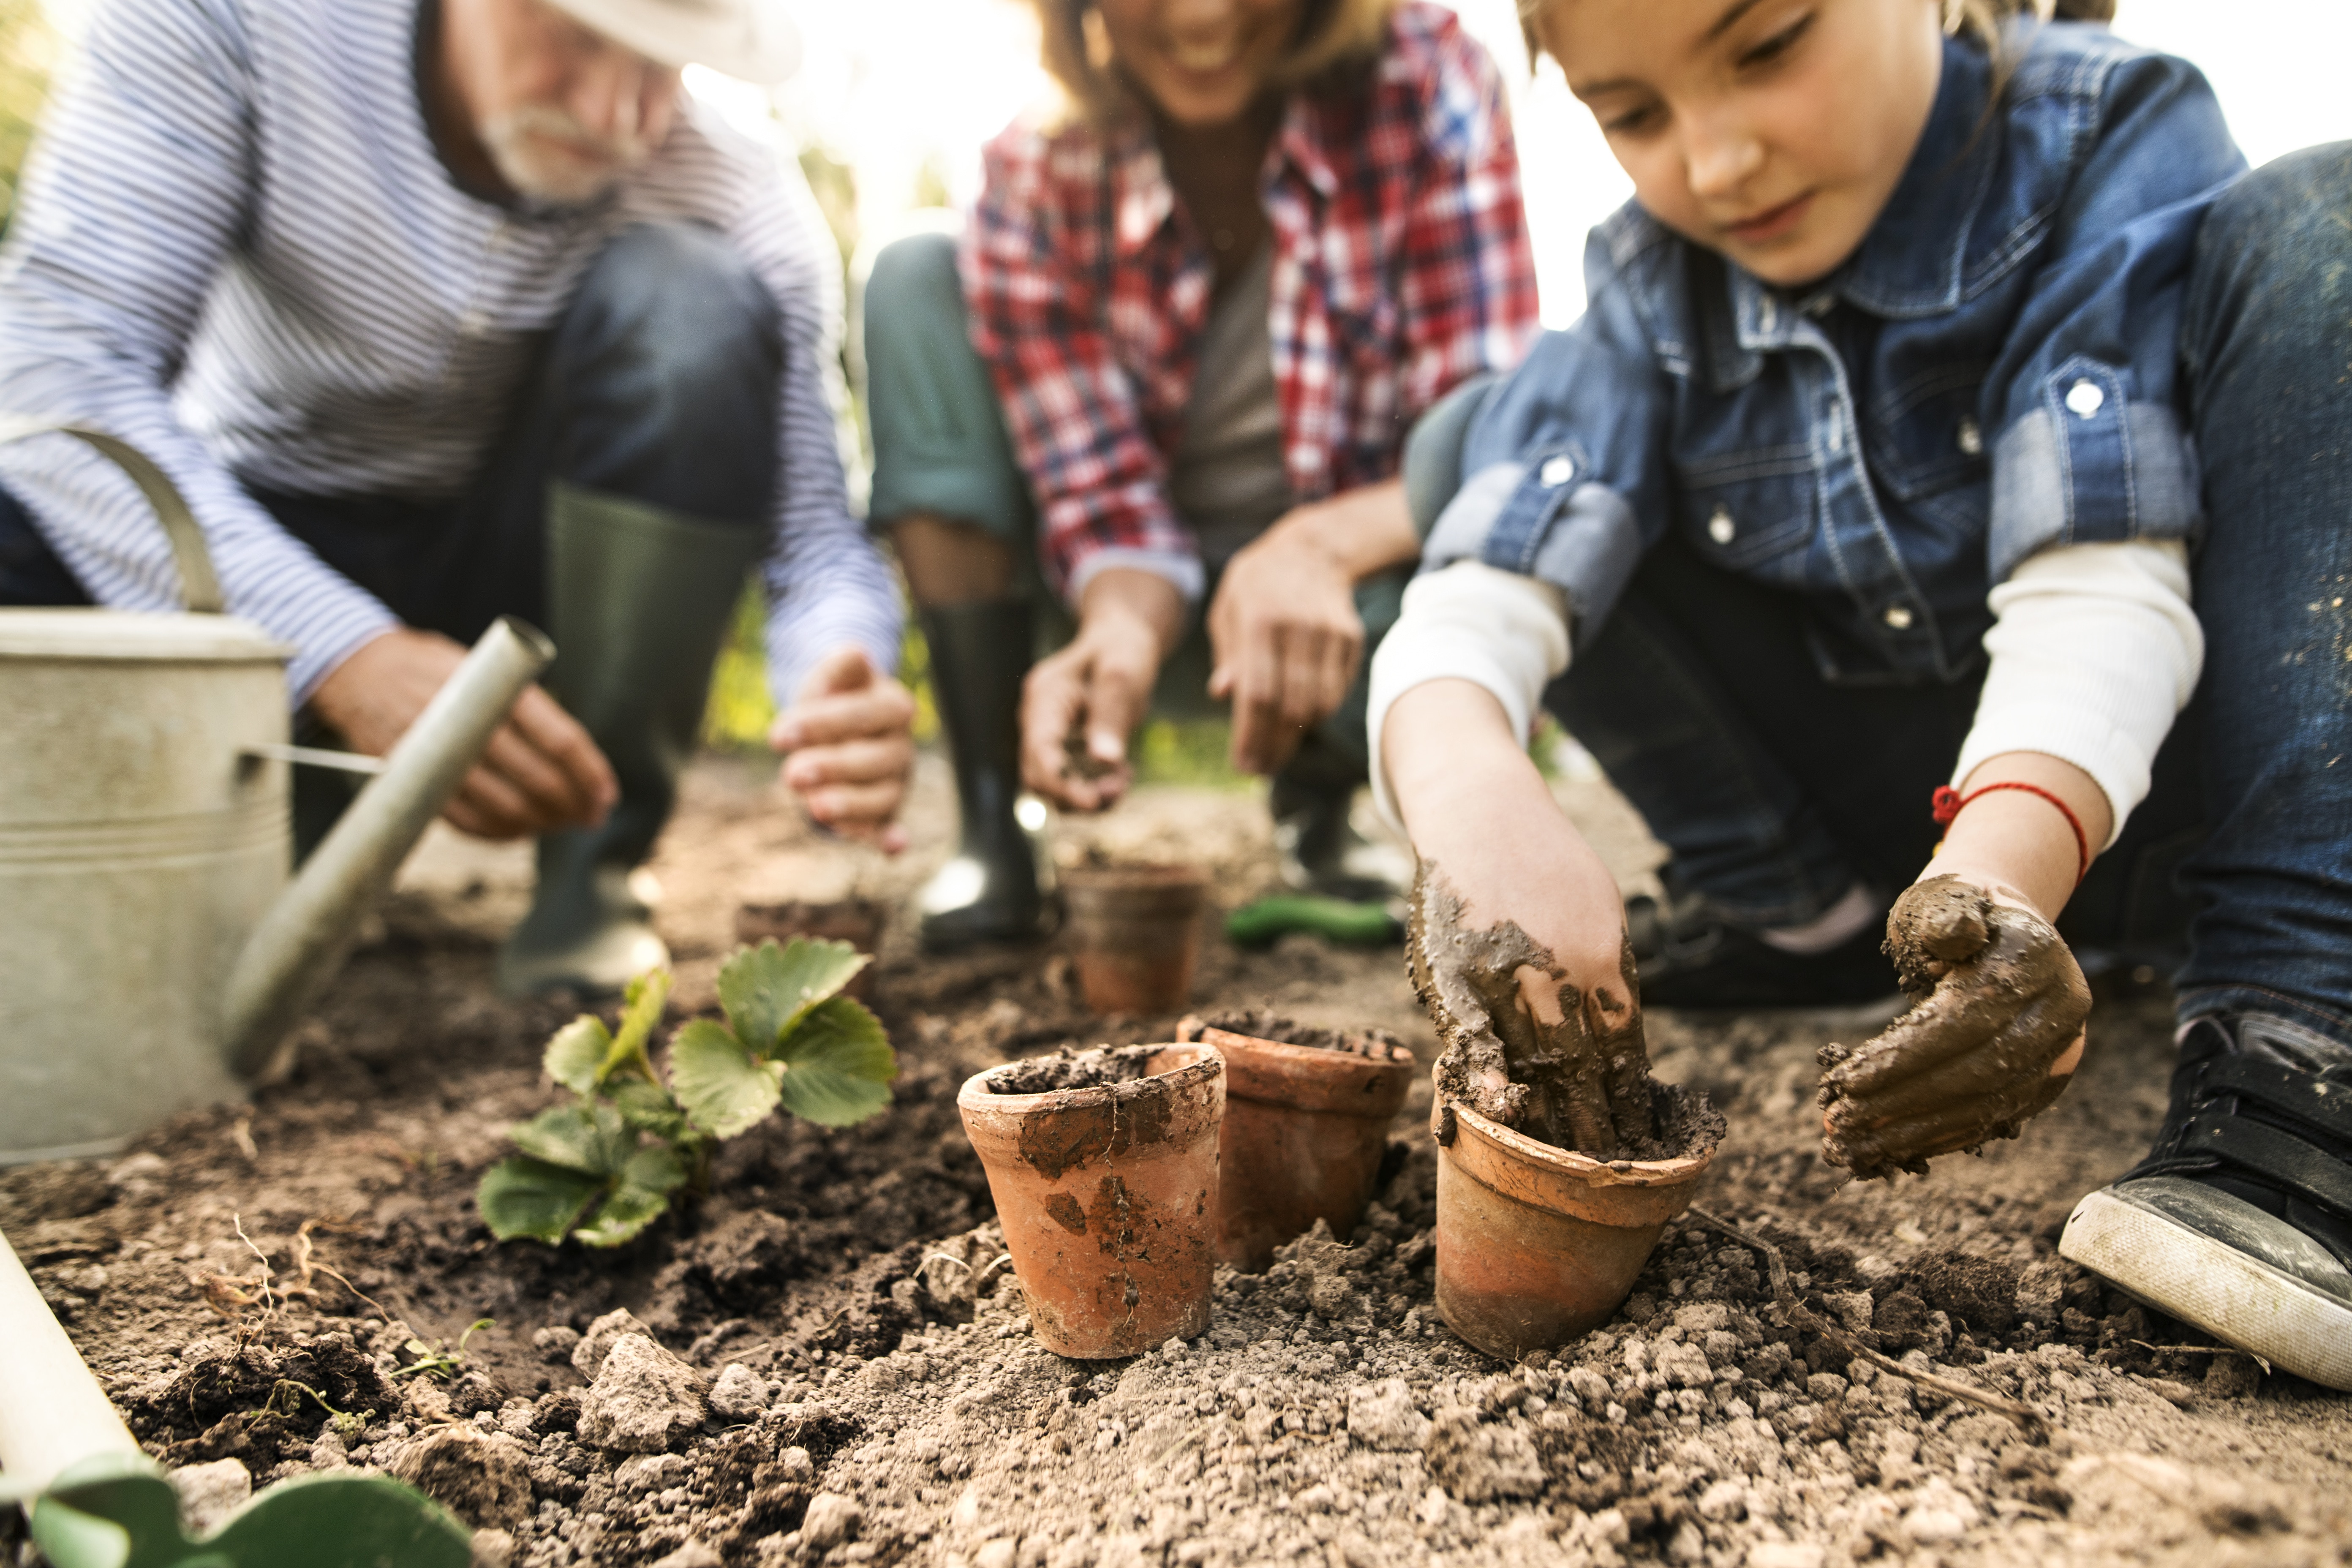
x=638 y=599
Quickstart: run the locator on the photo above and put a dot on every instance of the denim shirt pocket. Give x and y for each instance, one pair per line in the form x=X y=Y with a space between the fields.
x=1925 y=436
x=1752 y=511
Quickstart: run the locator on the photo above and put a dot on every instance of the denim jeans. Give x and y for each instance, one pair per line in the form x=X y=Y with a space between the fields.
x=941 y=448
x=659 y=384
x=1776 y=789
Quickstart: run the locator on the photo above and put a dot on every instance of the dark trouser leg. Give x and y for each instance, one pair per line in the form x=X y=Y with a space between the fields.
x=2265 y=343
x=941 y=450
x=31 y=575
x=1311 y=795
x=654 y=422
x=2240 y=1220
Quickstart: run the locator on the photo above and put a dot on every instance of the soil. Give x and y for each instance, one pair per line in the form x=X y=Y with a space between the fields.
x=1071 y=1068
x=833 y=1362
x=1258 y=1024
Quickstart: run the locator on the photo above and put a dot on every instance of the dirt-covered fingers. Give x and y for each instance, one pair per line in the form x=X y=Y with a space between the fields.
x=2025 y=1051
x=1869 y=1145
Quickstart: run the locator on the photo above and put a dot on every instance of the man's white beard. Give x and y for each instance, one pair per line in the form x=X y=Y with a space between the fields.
x=519 y=142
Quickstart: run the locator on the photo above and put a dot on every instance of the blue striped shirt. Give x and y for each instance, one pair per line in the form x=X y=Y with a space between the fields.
x=236 y=248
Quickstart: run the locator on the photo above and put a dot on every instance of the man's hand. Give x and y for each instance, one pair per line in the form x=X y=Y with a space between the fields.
x=1078 y=706
x=850 y=748
x=540 y=773
x=1994 y=1040
x=1283 y=626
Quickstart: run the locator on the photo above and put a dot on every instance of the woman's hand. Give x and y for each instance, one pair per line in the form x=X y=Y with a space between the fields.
x=541 y=771
x=1518 y=933
x=1998 y=1030
x=1078 y=706
x=1283 y=627
x=850 y=748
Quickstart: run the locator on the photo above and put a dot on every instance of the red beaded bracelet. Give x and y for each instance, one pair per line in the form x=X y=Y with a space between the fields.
x=1949 y=801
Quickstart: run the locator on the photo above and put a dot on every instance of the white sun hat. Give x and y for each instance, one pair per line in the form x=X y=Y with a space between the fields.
x=753 y=40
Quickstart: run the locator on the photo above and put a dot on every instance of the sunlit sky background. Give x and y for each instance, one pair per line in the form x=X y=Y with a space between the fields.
x=894 y=88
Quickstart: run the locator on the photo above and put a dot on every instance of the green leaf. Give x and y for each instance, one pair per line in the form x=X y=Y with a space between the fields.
x=522 y=1196
x=641 y=1010
x=576 y=1054
x=839 y=1065
x=589 y=1137
x=724 y=1090
x=649 y=1108
x=640 y=1199
x=768 y=989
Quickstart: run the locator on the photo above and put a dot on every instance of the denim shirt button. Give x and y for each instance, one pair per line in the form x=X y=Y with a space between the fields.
x=1971 y=438
x=1557 y=471
x=1899 y=616
x=2086 y=398
x=1720 y=528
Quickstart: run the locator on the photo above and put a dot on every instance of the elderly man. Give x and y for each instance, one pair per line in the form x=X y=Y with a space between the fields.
x=438 y=310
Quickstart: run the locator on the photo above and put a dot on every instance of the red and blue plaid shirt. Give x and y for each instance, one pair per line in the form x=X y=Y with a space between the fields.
x=1400 y=266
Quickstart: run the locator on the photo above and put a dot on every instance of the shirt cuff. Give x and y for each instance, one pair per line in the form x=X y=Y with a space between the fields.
x=1502 y=631
x=1184 y=569
x=2093 y=653
x=2084 y=466
x=1541 y=519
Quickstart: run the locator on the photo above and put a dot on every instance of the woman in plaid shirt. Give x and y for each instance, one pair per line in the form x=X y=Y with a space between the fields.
x=1179 y=348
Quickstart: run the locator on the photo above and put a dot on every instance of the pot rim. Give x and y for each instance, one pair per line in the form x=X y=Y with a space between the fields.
x=1209 y=1033
x=1206 y=1066
x=1575 y=1166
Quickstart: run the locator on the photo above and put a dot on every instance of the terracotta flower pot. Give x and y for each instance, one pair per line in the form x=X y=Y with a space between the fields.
x=858 y=921
x=1537 y=1245
x=1136 y=930
x=1306 y=1127
x=1107 y=1195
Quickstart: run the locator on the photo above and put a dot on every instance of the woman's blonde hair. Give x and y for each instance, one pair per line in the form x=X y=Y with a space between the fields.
x=1333 y=36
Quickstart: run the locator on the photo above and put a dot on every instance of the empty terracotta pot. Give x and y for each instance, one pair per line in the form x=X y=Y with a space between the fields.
x=1107 y=1193
x=1537 y=1245
x=858 y=921
x=1305 y=1131
x=1136 y=932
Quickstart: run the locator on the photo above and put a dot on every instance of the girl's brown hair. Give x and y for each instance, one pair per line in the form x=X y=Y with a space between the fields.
x=1333 y=36
x=1982 y=18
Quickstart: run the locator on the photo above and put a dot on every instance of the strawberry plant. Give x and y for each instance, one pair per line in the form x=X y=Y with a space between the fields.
x=604 y=1166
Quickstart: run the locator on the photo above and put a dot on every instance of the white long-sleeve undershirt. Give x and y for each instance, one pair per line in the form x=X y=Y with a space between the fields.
x=2094 y=651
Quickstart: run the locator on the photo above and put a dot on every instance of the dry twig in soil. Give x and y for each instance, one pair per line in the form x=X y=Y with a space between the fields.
x=2029 y=1420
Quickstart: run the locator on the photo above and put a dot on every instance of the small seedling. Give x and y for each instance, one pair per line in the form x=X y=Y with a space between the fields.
x=285 y=1399
x=604 y=1167
x=444 y=1364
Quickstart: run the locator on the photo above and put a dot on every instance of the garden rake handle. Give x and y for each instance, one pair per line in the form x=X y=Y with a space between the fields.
x=52 y=1412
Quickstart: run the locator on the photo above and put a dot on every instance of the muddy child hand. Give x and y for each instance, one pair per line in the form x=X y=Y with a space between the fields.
x=1525 y=1045
x=1992 y=1041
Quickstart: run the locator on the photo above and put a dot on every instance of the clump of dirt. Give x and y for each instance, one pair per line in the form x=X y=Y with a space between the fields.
x=1071 y=1068
x=1580 y=1081
x=1258 y=1023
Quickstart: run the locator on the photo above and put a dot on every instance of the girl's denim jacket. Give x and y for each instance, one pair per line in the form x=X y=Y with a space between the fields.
x=1993 y=371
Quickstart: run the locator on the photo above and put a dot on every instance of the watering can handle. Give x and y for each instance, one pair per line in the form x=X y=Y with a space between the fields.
x=198 y=586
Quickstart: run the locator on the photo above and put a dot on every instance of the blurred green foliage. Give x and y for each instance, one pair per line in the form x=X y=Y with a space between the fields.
x=28 y=54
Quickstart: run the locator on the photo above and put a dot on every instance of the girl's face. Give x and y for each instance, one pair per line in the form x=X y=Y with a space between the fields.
x=1201 y=62
x=1771 y=131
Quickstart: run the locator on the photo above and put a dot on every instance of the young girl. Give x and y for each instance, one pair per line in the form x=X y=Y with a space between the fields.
x=1191 y=322
x=1937 y=359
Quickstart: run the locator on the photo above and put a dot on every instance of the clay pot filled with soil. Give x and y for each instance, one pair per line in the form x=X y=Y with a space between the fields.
x=858 y=921
x=1537 y=1245
x=1136 y=932
x=1307 y=1122
x=1103 y=1164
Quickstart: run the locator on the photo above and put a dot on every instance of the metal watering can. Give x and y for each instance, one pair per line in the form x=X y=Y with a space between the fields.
x=154 y=950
